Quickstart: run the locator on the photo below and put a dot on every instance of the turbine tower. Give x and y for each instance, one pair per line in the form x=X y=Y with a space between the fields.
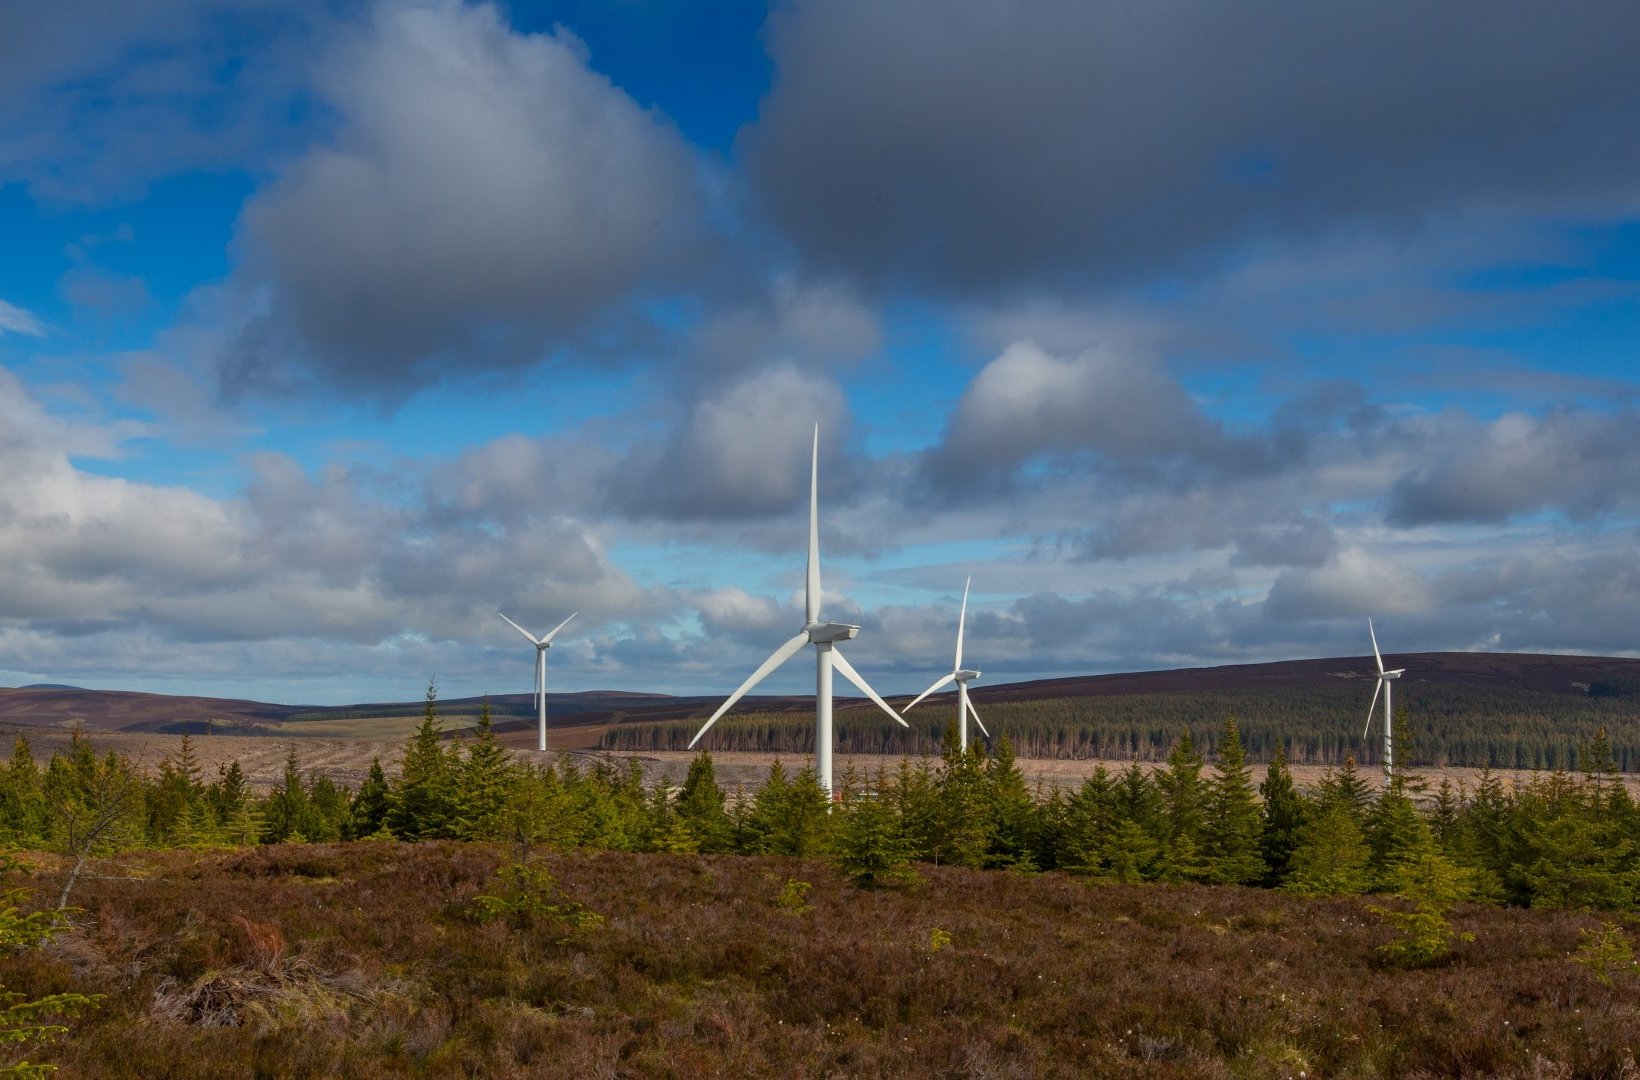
x=824 y=636
x=542 y=644
x=959 y=675
x=1385 y=678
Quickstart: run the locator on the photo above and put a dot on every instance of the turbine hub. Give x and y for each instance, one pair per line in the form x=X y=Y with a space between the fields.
x=823 y=633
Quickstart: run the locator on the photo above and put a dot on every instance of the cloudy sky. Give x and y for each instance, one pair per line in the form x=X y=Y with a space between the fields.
x=1195 y=333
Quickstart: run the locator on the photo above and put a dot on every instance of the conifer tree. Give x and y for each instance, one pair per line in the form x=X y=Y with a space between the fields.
x=1184 y=804
x=1091 y=819
x=483 y=784
x=367 y=814
x=1331 y=856
x=1395 y=832
x=791 y=817
x=965 y=826
x=286 y=813
x=94 y=805
x=1444 y=811
x=1282 y=817
x=229 y=793
x=872 y=850
x=1141 y=829
x=327 y=810
x=1486 y=839
x=1233 y=828
x=915 y=796
x=701 y=808
x=1346 y=787
x=1578 y=861
x=1012 y=812
x=22 y=802
x=424 y=798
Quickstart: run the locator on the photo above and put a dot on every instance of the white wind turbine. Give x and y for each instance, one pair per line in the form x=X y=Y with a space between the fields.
x=824 y=636
x=542 y=644
x=960 y=676
x=1385 y=679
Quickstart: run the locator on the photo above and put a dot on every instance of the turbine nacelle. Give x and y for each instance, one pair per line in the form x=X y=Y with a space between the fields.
x=1396 y=674
x=830 y=632
x=964 y=675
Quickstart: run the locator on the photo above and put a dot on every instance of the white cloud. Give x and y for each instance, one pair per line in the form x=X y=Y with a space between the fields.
x=14 y=320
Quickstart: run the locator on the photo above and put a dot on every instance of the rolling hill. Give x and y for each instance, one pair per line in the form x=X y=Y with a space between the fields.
x=1506 y=710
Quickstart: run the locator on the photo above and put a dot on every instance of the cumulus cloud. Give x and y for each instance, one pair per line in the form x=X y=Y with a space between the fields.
x=486 y=196
x=1353 y=582
x=1029 y=404
x=338 y=559
x=741 y=450
x=991 y=147
x=1579 y=463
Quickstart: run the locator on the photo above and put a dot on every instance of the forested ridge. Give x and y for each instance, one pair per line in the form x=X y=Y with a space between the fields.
x=1477 y=726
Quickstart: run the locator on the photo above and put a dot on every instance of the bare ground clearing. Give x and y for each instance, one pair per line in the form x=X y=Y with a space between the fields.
x=262 y=758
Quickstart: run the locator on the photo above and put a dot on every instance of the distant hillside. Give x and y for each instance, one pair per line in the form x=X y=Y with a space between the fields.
x=1475 y=709
x=1500 y=709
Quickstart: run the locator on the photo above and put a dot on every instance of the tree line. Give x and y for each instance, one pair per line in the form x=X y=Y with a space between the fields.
x=1471 y=726
x=1562 y=839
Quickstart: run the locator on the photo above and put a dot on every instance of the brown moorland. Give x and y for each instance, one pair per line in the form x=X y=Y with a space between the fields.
x=367 y=960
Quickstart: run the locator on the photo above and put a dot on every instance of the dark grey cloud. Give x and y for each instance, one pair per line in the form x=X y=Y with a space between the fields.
x=487 y=198
x=1579 y=463
x=988 y=146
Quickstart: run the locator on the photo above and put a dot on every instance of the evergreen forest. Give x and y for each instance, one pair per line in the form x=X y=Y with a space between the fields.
x=1499 y=727
x=1562 y=838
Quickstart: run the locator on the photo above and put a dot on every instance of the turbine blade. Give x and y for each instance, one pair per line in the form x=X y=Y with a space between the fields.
x=975 y=714
x=811 y=585
x=962 y=617
x=554 y=631
x=1375 y=692
x=520 y=629
x=780 y=656
x=1376 y=655
x=941 y=681
x=840 y=662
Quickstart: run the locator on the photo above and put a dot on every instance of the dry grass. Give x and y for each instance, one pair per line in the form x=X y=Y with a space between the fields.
x=362 y=961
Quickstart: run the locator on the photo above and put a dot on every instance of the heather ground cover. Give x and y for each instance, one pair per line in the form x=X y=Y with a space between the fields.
x=376 y=959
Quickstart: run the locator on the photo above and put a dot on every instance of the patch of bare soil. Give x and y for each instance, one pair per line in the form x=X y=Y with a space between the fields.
x=347 y=761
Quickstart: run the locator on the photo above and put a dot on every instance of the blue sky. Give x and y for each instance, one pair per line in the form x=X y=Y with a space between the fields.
x=1196 y=336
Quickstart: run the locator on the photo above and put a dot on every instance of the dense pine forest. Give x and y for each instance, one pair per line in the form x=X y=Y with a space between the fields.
x=1320 y=724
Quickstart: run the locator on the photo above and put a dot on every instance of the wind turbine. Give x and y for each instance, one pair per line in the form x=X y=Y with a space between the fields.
x=542 y=644
x=1385 y=678
x=824 y=636
x=960 y=675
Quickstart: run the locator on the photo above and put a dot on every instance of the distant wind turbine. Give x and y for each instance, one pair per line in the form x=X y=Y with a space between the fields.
x=824 y=636
x=1385 y=679
x=960 y=676
x=542 y=644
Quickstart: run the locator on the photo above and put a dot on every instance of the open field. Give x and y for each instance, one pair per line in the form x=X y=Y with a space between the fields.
x=346 y=761
x=367 y=960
